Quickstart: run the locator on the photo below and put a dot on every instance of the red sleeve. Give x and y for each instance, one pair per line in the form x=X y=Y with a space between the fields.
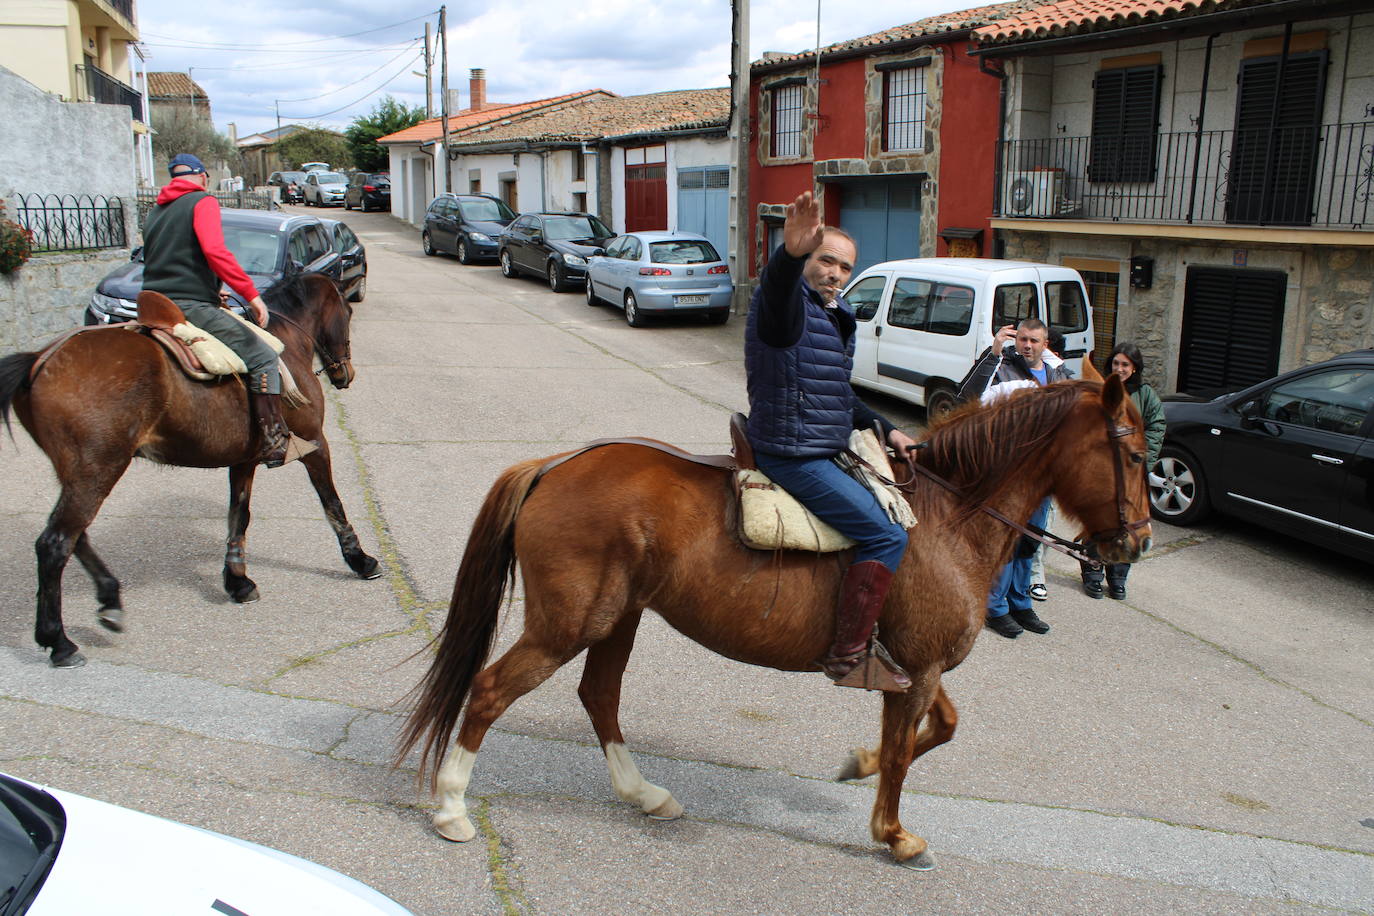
x=210 y=233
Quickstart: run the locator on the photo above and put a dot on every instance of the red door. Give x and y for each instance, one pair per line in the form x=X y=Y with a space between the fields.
x=646 y=188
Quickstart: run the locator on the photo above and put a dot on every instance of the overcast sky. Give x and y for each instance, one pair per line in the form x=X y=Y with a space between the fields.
x=329 y=63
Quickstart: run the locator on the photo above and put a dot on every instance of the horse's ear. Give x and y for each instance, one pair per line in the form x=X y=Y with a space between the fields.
x=1113 y=394
x=1090 y=373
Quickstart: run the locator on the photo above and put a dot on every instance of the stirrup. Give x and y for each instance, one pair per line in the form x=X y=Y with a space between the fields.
x=876 y=671
x=294 y=449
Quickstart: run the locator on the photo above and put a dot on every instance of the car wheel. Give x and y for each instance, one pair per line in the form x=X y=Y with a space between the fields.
x=632 y=316
x=592 y=298
x=556 y=281
x=347 y=205
x=940 y=401
x=362 y=204
x=359 y=291
x=464 y=254
x=720 y=316
x=1178 y=491
x=507 y=265
x=427 y=244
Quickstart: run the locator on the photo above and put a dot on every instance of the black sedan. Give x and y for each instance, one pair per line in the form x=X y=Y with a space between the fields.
x=554 y=246
x=268 y=244
x=1295 y=454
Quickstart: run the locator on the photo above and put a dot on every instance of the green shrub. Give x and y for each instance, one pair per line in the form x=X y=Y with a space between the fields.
x=16 y=244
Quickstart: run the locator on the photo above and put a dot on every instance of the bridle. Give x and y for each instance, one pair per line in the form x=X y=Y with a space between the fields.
x=1085 y=551
x=330 y=363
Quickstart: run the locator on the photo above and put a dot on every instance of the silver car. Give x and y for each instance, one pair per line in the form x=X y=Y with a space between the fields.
x=661 y=273
x=325 y=189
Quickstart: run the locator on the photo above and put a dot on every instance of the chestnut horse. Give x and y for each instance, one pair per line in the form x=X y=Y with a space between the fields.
x=109 y=394
x=623 y=527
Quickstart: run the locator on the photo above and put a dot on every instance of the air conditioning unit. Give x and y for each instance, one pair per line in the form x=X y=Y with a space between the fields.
x=1034 y=193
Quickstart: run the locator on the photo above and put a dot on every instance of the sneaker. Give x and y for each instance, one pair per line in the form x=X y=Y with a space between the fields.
x=1092 y=589
x=1039 y=592
x=1003 y=625
x=1029 y=620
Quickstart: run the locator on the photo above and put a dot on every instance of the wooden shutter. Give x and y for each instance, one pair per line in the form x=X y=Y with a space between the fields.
x=1232 y=325
x=1125 y=124
x=1274 y=154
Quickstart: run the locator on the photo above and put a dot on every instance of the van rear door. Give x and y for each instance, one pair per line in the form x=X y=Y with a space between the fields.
x=1067 y=312
x=866 y=296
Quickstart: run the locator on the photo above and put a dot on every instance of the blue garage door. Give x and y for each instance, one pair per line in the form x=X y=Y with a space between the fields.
x=884 y=216
x=703 y=204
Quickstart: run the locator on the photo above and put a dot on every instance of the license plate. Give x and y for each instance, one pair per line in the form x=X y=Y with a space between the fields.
x=689 y=300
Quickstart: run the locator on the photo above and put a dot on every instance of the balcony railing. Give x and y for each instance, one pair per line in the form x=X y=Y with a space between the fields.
x=1309 y=176
x=124 y=8
x=102 y=87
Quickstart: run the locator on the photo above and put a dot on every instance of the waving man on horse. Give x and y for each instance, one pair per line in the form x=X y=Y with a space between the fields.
x=799 y=349
x=184 y=259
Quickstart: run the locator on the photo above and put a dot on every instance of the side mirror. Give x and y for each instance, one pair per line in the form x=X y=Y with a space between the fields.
x=1250 y=415
x=597 y=253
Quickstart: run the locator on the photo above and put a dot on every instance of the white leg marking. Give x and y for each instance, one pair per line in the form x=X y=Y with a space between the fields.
x=451 y=822
x=653 y=800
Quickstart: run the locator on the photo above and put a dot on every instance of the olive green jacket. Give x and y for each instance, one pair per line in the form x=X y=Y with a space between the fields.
x=1152 y=412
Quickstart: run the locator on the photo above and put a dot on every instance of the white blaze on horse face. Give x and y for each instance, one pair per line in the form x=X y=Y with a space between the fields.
x=653 y=800
x=452 y=822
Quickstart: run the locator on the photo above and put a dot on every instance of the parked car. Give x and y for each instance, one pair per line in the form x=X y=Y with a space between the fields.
x=325 y=189
x=292 y=186
x=923 y=322
x=315 y=166
x=352 y=278
x=368 y=191
x=65 y=853
x=551 y=245
x=661 y=273
x=269 y=245
x=466 y=225
x=1294 y=454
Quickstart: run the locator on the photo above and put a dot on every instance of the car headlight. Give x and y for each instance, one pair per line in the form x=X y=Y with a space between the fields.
x=109 y=305
x=480 y=237
x=573 y=260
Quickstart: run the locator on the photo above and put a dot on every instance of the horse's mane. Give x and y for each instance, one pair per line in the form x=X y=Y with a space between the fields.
x=978 y=447
x=291 y=297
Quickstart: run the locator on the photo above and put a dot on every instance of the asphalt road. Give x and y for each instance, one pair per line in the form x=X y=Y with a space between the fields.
x=1202 y=747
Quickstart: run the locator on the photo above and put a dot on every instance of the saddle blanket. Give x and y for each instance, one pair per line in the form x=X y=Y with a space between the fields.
x=214 y=355
x=772 y=519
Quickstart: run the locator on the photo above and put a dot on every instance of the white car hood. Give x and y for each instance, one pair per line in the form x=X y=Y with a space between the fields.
x=119 y=862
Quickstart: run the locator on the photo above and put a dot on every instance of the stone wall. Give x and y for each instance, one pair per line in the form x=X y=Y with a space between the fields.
x=48 y=294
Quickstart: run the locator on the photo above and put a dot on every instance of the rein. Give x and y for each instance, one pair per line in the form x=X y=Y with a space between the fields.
x=331 y=364
x=1078 y=550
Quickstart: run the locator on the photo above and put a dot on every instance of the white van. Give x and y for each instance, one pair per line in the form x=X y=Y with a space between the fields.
x=923 y=322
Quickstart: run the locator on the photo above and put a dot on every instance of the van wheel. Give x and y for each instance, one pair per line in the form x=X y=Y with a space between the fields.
x=940 y=401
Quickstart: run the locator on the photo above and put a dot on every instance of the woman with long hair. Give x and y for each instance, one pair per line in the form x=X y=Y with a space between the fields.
x=1125 y=361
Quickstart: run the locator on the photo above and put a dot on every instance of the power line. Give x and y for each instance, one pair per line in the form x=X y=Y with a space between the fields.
x=247 y=50
x=350 y=85
x=286 y=44
x=326 y=114
x=313 y=65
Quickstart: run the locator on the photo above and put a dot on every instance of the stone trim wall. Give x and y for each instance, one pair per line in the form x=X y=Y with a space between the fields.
x=764 y=147
x=47 y=295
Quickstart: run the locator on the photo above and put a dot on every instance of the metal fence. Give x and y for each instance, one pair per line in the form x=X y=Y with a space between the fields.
x=69 y=222
x=239 y=200
x=1312 y=176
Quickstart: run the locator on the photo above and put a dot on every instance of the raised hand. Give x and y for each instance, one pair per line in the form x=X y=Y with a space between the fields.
x=803 y=230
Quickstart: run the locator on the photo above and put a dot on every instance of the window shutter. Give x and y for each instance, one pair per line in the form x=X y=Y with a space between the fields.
x=1232 y=325
x=1274 y=162
x=1125 y=124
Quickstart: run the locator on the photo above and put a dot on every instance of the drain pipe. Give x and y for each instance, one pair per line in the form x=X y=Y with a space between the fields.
x=1201 y=113
x=999 y=244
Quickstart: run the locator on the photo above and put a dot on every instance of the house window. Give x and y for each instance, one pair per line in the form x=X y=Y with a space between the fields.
x=580 y=201
x=787 y=121
x=1125 y=124
x=904 y=109
x=579 y=165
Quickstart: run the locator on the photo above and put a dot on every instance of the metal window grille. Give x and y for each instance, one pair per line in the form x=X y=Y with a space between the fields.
x=787 y=121
x=72 y=223
x=904 y=109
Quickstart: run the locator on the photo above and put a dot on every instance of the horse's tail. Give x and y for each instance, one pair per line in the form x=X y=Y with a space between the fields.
x=14 y=378
x=488 y=567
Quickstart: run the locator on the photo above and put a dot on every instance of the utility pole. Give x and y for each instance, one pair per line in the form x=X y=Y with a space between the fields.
x=443 y=89
x=276 y=103
x=741 y=220
x=429 y=75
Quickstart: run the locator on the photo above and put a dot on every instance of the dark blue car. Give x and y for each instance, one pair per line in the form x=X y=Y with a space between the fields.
x=466 y=225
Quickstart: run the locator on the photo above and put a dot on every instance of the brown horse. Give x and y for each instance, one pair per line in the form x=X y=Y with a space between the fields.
x=623 y=527
x=108 y=395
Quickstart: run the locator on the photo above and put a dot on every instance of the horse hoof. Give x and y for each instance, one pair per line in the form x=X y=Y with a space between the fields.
x=850 y=770
x=75 y=660
x=247 y=595
x=457 y=829
x=923 y=861
x=669 y=810
x=111 y=618
x=366 y=567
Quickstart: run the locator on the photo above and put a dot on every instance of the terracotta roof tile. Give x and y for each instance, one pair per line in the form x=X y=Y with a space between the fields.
x=1075 y=16
x=617 y=116
x=433 y=128
x=173 y=84
x=956 y=21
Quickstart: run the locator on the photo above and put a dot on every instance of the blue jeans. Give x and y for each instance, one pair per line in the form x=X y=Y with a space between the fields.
x=841 y=502
x=1011 y=591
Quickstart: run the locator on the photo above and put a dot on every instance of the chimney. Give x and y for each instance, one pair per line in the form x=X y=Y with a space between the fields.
x=477 y=89
x=233 y=133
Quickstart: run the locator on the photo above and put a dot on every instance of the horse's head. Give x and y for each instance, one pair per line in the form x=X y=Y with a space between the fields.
x=332 y=341
x=1103 y=464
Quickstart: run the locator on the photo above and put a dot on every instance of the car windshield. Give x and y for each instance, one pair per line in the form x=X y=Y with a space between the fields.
x=255 y=249
x=575 y=227
x=330 y=178
x=489 y=210
x=380 y=181
x=297 y=177
x=682 y=251
x=31 y=828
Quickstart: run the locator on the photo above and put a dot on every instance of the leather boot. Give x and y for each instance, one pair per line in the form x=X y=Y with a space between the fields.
x=856 y=658
x=278 y=445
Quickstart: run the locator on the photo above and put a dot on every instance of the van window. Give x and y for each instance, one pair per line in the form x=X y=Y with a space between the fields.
x=910 y=304
x=864 y=296
x=1067 y=310
x=1013 y=303
x=951 y=310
